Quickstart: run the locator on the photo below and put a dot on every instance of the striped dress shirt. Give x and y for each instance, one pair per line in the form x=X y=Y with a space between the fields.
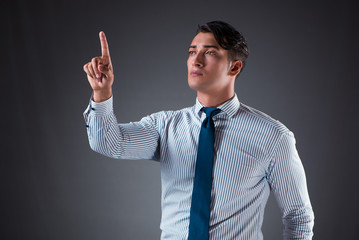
x=254 y=154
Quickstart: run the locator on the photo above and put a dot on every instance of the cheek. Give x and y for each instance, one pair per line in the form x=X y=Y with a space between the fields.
x=217 y=68
x=188 y=63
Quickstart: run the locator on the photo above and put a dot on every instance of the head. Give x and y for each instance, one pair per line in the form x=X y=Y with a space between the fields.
x=229 y=39
x=217 y=55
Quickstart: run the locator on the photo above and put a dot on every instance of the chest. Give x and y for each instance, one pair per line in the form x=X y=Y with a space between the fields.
x=239 y=156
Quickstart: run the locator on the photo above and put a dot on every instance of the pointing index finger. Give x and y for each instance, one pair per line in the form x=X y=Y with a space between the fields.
x=104 y=46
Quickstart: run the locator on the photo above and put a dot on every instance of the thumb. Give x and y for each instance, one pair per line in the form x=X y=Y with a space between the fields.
x=103 y=69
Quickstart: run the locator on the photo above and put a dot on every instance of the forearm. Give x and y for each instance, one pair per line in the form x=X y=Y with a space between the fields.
x=298 y=223
x=124 y=141
x=100 y=120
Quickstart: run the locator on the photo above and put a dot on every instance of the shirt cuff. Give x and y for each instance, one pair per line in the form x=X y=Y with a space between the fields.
x=102 y=108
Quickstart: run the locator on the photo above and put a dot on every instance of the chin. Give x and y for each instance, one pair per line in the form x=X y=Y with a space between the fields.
x=198 y=86
x=194 y=84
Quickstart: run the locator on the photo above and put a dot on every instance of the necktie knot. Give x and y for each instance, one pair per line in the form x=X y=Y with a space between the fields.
x=210 y=112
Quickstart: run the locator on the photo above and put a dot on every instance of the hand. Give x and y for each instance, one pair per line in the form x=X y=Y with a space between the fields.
x=100 y=72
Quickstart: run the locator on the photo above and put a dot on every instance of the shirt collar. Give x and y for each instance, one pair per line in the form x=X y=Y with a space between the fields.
x=230 y=107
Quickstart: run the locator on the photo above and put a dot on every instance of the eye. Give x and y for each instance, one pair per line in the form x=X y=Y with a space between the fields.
x=191 y=52
x=212 y=53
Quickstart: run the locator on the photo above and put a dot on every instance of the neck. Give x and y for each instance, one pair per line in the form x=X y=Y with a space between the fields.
x=214 y=99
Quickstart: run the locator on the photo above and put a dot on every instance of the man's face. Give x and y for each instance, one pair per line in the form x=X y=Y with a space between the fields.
x=208 y=65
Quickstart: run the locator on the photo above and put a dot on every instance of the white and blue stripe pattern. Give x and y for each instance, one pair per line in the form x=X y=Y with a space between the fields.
x=254 y=154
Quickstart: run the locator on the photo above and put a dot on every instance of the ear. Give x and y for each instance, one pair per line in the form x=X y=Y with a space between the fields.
x=235 y=68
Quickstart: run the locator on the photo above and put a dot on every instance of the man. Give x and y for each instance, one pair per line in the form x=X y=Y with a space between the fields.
x=250 y=153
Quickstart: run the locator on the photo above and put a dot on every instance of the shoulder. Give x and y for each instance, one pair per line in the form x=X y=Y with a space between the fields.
x=260 y=119
x=170 y=116
x=262 y=129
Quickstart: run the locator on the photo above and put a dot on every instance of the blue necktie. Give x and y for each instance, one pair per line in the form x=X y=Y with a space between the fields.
x=201 y=195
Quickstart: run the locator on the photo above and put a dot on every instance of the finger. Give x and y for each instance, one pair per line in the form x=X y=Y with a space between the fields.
x=95 y=62
x=87 y=70
x=91 y=71
x=104 y=45
x=103 y=69
x=96 y=76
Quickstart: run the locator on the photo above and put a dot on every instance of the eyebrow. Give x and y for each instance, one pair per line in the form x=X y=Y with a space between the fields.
x=205 y=46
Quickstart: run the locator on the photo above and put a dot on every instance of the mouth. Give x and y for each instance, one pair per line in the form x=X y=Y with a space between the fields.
x=196 y=73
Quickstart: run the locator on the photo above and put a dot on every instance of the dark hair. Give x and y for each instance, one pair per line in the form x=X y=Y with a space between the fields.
x=228 y=38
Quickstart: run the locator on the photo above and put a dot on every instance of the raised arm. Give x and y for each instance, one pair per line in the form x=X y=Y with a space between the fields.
x=136 y=140
x=100 y=72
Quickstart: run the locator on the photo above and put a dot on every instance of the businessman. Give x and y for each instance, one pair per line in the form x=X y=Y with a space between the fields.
x=219 y=159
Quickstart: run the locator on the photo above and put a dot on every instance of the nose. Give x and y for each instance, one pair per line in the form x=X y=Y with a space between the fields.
x=197 y=61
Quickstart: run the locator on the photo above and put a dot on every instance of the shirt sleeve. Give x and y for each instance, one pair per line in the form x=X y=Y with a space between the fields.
x=135 y=140
x=288 y=182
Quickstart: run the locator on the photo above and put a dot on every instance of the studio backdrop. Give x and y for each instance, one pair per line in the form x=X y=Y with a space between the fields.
x=302 y=70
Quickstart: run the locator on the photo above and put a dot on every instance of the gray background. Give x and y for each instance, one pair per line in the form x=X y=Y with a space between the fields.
x=301 y=70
